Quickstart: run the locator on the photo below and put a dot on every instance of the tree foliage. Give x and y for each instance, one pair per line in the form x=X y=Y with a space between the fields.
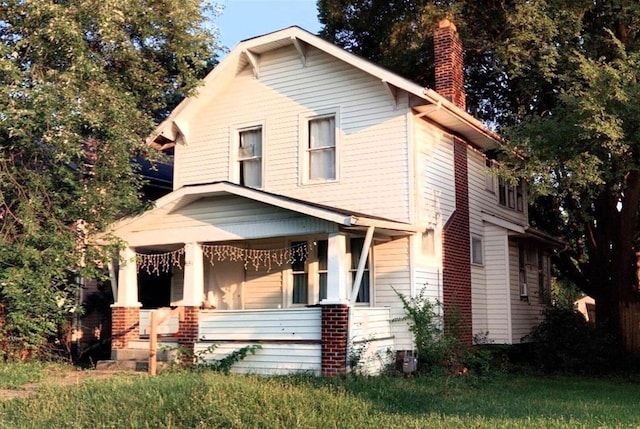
x=81 y=85
x=559 y=78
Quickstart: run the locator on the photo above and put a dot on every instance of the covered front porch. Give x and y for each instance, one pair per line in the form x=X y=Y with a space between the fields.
x=295 y=278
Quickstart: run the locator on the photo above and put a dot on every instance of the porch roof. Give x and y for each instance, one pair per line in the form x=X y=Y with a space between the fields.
x=135 y=229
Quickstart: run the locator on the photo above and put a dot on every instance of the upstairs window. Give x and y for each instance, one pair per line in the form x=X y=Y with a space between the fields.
x=511 y=196
x=250 y=157
x=321 y=149
x=489 y=178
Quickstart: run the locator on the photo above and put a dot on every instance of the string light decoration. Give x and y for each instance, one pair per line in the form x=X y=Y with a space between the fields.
x=155 y=263
x=256 y=257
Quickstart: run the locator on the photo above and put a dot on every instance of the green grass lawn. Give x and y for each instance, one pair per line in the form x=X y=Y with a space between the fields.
x=209 y=400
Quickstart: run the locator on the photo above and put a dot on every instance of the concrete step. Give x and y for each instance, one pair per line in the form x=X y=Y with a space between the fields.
x=128 y=365
x=140 y=354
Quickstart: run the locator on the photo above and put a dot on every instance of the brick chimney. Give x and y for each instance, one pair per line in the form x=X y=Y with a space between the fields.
x=447 y=48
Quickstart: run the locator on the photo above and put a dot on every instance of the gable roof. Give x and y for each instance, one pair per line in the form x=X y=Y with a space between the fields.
x=186 y=195
x=247 y=54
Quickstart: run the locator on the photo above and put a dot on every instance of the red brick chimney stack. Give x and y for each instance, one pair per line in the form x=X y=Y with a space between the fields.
x=448 y=63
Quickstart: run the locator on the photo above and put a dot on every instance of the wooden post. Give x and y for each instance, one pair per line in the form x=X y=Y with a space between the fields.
x=153 y=344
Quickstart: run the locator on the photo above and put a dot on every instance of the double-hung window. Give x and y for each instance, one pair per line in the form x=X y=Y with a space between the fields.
x=250 y=157
x=321 y=149
x=300 y=275
x=322 y=248
x=309 y=272
x=355 y=245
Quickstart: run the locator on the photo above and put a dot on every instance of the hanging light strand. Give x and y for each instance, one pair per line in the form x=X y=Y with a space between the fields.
x=256 y=258
x=156 y=263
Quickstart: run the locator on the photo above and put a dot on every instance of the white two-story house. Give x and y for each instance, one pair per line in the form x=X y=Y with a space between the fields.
x=310 y=187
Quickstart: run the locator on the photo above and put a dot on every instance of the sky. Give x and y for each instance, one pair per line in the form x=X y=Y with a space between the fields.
x=242 y=19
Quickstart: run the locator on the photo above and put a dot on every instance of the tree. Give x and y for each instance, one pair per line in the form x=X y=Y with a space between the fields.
x=82 y=83
x=559 y=79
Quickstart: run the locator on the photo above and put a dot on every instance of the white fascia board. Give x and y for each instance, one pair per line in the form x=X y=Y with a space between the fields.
x=385 y=224
x=461 y=115
x=503 y=223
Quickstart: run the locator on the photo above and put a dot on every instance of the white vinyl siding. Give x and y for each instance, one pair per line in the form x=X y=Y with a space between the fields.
x=372 y=131
x=495 y=296
x=392 y=271
x=434 y=174
x=263 y=286
x=371 y=335
x=525 y=313
x=290 y=339
x=492 y=283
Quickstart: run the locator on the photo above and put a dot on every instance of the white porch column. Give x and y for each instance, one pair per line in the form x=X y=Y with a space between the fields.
x=336 y=270
x=127 y=295
x=193 y=289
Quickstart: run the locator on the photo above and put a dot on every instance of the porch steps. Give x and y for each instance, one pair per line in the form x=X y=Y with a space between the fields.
x=136 y=357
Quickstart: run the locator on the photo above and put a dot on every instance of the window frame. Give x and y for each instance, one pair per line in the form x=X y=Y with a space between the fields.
x=353 y=269
x=523 y=286
x=489 y=179
x=311 y=269
x=511 y=197
x=474 y=254
x=235 y=158
x=305 y=151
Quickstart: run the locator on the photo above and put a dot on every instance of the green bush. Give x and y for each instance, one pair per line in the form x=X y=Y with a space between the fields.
x=440 y=350
x=566 y=342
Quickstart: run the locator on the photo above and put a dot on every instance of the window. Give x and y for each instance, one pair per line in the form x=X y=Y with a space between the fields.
x=250 y=157
x=300 y=276
x=511 y=196
x=322 y=248
x=522 y=268
x=355 y=245
x=321 y=149
x=309 y=272
x=489 y=179
x=544 y=277
x=477 y=258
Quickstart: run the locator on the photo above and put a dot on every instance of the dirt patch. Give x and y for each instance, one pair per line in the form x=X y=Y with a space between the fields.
x=70 y=377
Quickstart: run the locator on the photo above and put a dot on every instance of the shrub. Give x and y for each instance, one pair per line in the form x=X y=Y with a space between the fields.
x=565 y=342
x=440 y=349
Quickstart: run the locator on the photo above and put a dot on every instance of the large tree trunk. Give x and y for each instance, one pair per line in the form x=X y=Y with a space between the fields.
x=617 y=299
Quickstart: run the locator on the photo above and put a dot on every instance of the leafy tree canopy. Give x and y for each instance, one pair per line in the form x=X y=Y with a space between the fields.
x=82 y=83
x=559 y=79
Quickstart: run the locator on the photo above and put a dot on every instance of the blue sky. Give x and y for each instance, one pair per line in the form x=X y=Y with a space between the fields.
x=242 y=19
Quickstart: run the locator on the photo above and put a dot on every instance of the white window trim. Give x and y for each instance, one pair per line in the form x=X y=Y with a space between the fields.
x=473 y=262
x=303 y=144
x=312 y=269
x=368 y=272
x=234 y=133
